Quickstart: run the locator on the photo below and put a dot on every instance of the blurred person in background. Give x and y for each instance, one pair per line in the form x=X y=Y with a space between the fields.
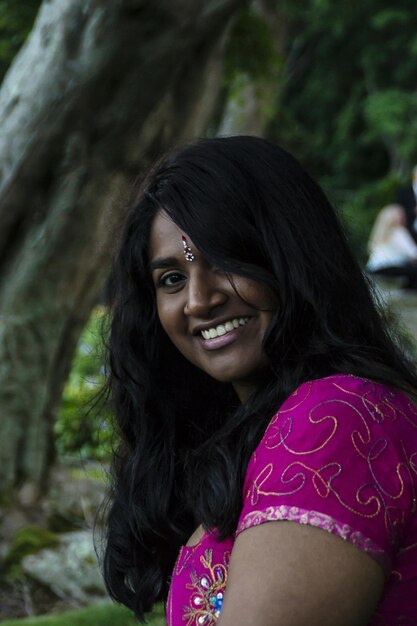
x=407 y=198
x=392 y=250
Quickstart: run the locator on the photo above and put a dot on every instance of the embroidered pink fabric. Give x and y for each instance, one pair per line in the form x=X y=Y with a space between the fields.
x=341 y=455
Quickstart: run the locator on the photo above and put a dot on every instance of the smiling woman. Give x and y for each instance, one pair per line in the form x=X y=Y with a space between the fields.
x=264 y=407
x=215 y=319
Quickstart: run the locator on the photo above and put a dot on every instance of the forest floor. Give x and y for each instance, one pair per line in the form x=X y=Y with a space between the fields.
x=76 y=491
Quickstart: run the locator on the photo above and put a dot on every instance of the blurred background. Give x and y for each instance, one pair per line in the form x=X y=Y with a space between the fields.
x=93 y=91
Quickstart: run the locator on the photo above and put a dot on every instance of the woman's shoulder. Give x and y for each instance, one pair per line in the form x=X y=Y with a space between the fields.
x=353 y=390
x=337 y=454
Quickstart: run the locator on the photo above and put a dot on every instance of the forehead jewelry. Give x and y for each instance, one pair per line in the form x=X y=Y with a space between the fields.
x=188 y=253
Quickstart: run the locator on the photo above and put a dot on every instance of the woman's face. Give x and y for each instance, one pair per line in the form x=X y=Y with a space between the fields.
x=217 y=326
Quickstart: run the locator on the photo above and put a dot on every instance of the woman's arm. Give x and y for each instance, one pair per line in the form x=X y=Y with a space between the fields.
x=290 y=574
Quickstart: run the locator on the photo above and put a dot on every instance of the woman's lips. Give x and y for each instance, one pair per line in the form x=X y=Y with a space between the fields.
x=224 y=340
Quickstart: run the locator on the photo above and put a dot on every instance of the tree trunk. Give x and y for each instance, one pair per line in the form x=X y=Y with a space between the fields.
x=253 y=100
x=100 y=88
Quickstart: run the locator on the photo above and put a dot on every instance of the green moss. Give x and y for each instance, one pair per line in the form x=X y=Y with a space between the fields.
x=98 y=615
x=96 y=474
x=29 y=540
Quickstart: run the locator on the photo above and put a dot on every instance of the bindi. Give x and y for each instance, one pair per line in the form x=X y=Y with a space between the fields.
x=188 y=253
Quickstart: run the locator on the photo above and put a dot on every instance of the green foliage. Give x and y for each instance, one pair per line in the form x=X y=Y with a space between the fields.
x=392 y=114
x=97 y=615
x=16 y=19
x=348 y=104
x=83 y=425
x=250 y=48
x=387 y=18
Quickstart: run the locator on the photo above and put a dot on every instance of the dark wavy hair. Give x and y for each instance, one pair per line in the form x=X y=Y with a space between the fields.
x=186 y=441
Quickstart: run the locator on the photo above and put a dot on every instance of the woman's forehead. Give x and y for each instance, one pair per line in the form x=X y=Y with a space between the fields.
x=165 y=237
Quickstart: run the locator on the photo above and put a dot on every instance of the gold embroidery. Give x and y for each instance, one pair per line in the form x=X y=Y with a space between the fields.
x=380 y=490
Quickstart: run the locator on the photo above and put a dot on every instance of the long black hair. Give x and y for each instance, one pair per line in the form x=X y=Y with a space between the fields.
x=186 y=441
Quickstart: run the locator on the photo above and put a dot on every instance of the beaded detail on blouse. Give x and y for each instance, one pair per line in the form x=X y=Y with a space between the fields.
x=205 y=577
x=207 y=590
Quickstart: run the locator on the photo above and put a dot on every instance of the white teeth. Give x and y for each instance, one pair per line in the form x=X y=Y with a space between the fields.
x=222 y=329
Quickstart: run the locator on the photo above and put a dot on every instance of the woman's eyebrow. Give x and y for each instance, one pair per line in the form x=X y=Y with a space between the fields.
x=162 y=263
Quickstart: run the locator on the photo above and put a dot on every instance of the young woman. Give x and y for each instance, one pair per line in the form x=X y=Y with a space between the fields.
x=267 y=468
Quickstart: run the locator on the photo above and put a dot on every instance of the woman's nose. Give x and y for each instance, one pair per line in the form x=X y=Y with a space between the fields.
x=204 y=294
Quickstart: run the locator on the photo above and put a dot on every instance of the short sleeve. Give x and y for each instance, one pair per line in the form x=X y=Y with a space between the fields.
x=333 y=457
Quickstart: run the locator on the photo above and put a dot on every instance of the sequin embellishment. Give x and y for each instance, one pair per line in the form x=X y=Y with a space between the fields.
x=188 y=253
x=207 y=589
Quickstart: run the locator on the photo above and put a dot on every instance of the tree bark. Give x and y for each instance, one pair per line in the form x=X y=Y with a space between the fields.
x=100 y=88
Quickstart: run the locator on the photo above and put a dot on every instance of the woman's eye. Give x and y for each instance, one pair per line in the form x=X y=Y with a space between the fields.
x=170 y=280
